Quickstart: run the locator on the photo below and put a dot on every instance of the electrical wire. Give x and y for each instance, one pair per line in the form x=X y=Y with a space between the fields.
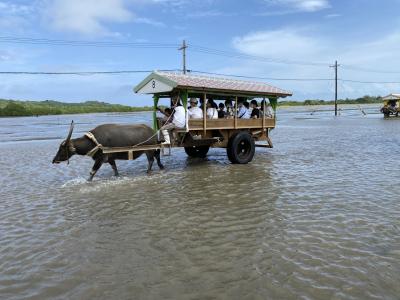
x=88 y=73
x=212 y=51
x=370 y=82
x=75 y=43
x=192 y=47
x=356 y=68
x=262 y=78
x=81 y=73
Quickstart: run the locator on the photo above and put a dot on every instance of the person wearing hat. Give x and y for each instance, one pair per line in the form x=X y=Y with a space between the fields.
x=194 y=111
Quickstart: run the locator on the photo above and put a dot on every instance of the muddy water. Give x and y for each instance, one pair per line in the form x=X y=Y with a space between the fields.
x=317 y=217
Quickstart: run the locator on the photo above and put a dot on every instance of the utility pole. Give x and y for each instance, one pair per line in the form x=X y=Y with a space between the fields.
x=183 y=48
x=336 y=81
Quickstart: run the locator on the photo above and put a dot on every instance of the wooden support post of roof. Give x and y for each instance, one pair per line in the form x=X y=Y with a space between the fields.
x=184 y=99
x=263 y=116
x=204 y=115
x=236 y=107
x=155 y=124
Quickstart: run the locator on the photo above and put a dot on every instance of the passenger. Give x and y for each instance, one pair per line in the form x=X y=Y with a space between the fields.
x=243 y=112
x=255 y=112
x=212 y=111
x=166 y=115
x=269 y=113
x=168 y=111
x=229 y=108
x=178 y=119
x=221 y=111
x=194 y=111
x=392 y=106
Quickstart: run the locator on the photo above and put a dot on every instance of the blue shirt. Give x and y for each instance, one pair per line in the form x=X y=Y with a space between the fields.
x=243 y=113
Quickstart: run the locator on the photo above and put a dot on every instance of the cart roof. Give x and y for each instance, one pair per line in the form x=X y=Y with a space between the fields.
x=164 y=82
x=391 y=97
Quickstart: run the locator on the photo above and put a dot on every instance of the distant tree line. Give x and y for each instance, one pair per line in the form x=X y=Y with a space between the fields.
x=363 y=100
x=12 y=108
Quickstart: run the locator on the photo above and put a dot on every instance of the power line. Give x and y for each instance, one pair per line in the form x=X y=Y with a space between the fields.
x=370 y=82
x=81 y=73
x=212 y=51
x=262 y=78
x=75 y=43
x=193 y=47
x=356 y=68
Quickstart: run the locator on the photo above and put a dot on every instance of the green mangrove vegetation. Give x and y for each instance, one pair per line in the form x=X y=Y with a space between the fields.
x=13 y=108
x=362 y=100
x=16 y=108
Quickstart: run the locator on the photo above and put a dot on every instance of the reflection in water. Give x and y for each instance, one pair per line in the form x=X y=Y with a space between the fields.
x=316 y=217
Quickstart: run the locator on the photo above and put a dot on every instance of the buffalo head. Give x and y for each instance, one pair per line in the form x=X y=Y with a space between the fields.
x=66 y=149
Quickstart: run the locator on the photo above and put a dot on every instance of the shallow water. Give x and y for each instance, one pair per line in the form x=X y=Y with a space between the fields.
x=317 y=217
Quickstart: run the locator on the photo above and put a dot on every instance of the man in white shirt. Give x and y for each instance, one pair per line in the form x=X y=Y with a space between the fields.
x=194 y=111
x=178 y=119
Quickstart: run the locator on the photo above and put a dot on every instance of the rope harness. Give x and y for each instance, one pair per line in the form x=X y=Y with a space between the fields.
x=98 y=147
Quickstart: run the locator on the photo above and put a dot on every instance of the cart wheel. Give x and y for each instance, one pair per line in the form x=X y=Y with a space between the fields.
x=241 y=148
x=200 y=151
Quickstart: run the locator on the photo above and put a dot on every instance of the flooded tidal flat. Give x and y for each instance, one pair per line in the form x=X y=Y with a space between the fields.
x=317 y=217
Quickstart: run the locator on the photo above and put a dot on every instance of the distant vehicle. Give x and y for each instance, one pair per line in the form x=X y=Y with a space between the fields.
x=391 y=105
x=238 y=136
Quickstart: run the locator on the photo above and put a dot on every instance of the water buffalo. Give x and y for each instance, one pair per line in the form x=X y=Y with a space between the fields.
x=110 y=135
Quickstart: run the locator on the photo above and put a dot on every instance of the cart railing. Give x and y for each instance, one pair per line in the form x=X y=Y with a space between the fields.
x=215 y=124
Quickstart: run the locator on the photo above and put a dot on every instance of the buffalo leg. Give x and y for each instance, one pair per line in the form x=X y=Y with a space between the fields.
x=114 y=167
x=96 y=167
x=157 y=155
x=150 y=160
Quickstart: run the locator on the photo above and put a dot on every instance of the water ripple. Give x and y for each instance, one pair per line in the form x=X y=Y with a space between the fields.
x=317 y=217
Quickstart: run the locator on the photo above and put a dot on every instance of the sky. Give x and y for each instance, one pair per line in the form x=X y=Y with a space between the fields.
x=270 y=39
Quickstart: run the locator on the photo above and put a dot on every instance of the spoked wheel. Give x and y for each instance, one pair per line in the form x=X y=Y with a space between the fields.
x=241 y=148
x=200 y=151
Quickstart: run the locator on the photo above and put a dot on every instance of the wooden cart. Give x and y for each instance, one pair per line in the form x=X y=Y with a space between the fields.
x=239 y=136
x=391 y=105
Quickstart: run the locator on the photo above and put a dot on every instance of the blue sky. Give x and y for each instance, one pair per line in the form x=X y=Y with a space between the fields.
x=363 y=35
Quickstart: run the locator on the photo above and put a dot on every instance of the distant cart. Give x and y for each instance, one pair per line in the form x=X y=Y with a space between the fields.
x=239 y=136
x=391 y=105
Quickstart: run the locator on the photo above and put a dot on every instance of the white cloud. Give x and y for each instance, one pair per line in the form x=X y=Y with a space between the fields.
x=305 y=45
x=13 y=17
x=302 y=5
x=170 y=2
x=94 y=17
x=4 y=56
x=331 y=16
x=209 y=13
x=14 y=9
x=280 y=43
x=149 y=22
x=87 y=17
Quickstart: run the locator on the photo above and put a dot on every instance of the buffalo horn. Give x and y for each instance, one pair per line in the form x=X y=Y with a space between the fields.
x=70 y=131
